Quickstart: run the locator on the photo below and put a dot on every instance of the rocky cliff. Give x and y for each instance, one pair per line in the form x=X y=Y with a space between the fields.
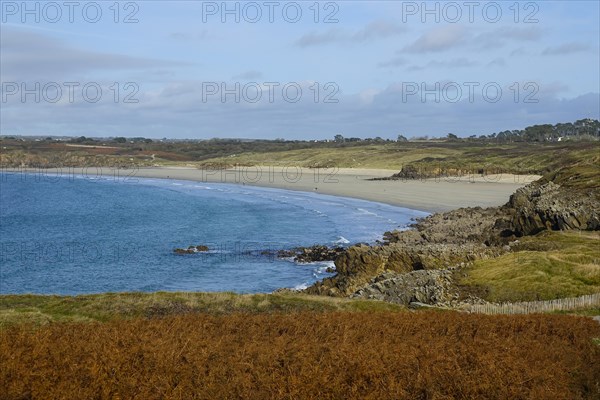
x=548 y=206
x=567 y=199
x=436 y=242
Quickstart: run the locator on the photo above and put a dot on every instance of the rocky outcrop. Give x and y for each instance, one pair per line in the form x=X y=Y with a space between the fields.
x=408 y=172
x=427 y=287
x=191 y=249
x=548 y=206
x=401 y=268
x=439 y=241
x=461 y=226
x=359 y=264
x=312 y=254
x=430 y=169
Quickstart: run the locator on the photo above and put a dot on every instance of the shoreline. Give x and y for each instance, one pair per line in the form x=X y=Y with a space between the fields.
x=428 y=195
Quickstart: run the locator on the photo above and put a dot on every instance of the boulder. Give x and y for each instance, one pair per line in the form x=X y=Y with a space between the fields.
x=314 y=253
x=548 y=206
x=425 y=287
x=191 y=249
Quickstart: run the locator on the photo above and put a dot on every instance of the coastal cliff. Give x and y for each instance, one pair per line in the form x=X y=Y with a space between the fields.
x=418 y=264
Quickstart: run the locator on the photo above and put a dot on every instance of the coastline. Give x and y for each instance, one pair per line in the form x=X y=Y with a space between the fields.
x=429 y=195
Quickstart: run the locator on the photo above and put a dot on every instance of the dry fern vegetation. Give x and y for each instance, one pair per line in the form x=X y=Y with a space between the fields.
x=316 y=355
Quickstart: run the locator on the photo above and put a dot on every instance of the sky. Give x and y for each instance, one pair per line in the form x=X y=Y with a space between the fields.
x=295 y=70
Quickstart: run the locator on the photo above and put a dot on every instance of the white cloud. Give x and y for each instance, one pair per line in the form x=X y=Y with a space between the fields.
x=566 y=48
x=179 y=111
x=438 y=39
x=392 y=63
x=249 y=75
x=28 y=56
x=497 y=62
x=374 y=30
x=461 y=62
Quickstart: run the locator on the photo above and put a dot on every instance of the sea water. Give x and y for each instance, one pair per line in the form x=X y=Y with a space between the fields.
x=74 y=235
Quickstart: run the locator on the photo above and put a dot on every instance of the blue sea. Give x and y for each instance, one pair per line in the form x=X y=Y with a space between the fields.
x=75 y=235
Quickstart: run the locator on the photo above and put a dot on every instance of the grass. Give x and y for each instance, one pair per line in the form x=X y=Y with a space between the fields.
x=383 y=156
x=338 y=355
x=547 y=266
x=583 y=176
x=453 y=157
x=41 y=310
x=518 y=158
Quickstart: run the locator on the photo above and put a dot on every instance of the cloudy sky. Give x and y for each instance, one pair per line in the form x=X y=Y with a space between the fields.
x=296 y=70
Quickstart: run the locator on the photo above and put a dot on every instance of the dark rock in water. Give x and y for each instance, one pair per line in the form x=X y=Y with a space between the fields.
x=183 y=251
x=284 y=253
x=191 y=249
x=314 y=253
x=318 y=253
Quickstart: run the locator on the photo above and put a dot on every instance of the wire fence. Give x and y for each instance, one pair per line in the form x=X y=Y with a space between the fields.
x=531 y=307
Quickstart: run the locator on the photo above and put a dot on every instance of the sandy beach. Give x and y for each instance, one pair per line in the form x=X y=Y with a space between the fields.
x=431 y=195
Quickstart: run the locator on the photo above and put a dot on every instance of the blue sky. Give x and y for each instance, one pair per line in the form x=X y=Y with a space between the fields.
x=364 y=68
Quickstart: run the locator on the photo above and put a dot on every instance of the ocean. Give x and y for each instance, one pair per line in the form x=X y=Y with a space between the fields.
x=77 y=234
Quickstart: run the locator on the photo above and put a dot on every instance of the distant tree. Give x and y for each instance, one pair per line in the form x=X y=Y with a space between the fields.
x=80 y=139
x=452 y=136
x=120 y=139
x=147 y=140
x=402 y=138
x=539 y=133
x=338 y=138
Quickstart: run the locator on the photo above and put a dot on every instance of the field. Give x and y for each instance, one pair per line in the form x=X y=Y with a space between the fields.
x=547 y=266
x=520 y=158
x=333 y=355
